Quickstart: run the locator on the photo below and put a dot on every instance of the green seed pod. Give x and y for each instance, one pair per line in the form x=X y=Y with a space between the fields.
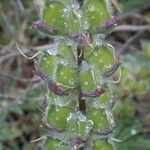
x=48 y=64
x=59 y=17
x=78 y=125
x=102 y=58
x=101 y=102
x=54 y=144
x=87 y=81
x=99 y=119
x=65 y=75
x=102 y=145
x=53 y=16
x=96 y=13
x=58 y=116
x=51 y=144
x=60 y=101
x=66 y=51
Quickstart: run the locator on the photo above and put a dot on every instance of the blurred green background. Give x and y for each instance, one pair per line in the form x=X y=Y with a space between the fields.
x=22 y=93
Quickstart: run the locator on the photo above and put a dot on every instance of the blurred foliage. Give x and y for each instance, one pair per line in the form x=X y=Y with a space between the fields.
x=20 y=121
x=133 y=87
x=131 y=5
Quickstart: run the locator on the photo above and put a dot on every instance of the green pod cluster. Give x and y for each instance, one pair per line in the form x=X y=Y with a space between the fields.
x=62 y=111
x=68 y=16
x=78 y=76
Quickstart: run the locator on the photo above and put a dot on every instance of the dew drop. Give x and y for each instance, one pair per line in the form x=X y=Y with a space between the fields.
x=91 y=7
x=93 y=17
x=86 y=83
x=85 y=66
x=71 y=82
x=99 y=39
x=86 y=25
x=44 y=58
x=133 y=132
x=53 y=50
x=57 y=118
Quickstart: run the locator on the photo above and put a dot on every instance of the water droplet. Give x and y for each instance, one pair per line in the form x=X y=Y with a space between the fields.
x=71 y=81
x=86 y=25
x=61 y=73
x=86 y=66
x=57 y=118
x=92 y=7
x=65 y=77
x=93 y=17
x=65 y=9
x=99 y=39
x=52 y=50
x=133 y=132
x=44 y=58
x=86 y=83
x=47 y=62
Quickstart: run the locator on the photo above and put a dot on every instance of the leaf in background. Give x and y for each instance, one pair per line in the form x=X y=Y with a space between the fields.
x=135 y=143
x=128 y=127
x=115 y=2
x=132 y=4
x=145 y=44
x=9 y=131
x=12 y=83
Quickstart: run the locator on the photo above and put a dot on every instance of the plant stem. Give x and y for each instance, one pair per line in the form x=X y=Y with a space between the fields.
x=81 y=102
x=80 y=57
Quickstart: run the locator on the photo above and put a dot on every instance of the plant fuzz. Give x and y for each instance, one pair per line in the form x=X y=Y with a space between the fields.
x=79 y=70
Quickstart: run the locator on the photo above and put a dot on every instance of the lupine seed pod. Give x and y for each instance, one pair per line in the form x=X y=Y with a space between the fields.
x=78 y=114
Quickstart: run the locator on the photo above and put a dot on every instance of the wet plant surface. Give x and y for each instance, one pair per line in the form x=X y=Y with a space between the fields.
x=73 y=103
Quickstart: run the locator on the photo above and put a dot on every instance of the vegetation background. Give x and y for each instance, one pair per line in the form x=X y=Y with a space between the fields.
x=21 y=92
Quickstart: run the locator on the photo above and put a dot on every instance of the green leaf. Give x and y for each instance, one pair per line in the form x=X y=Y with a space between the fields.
x=130 y=5
x=9 y=131
x=126 y=108
x=127 y=127
x=135 y=143
x=146 y=48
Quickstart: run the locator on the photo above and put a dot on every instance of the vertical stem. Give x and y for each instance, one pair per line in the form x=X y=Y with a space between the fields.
x=82 y=106
x=80 y=57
